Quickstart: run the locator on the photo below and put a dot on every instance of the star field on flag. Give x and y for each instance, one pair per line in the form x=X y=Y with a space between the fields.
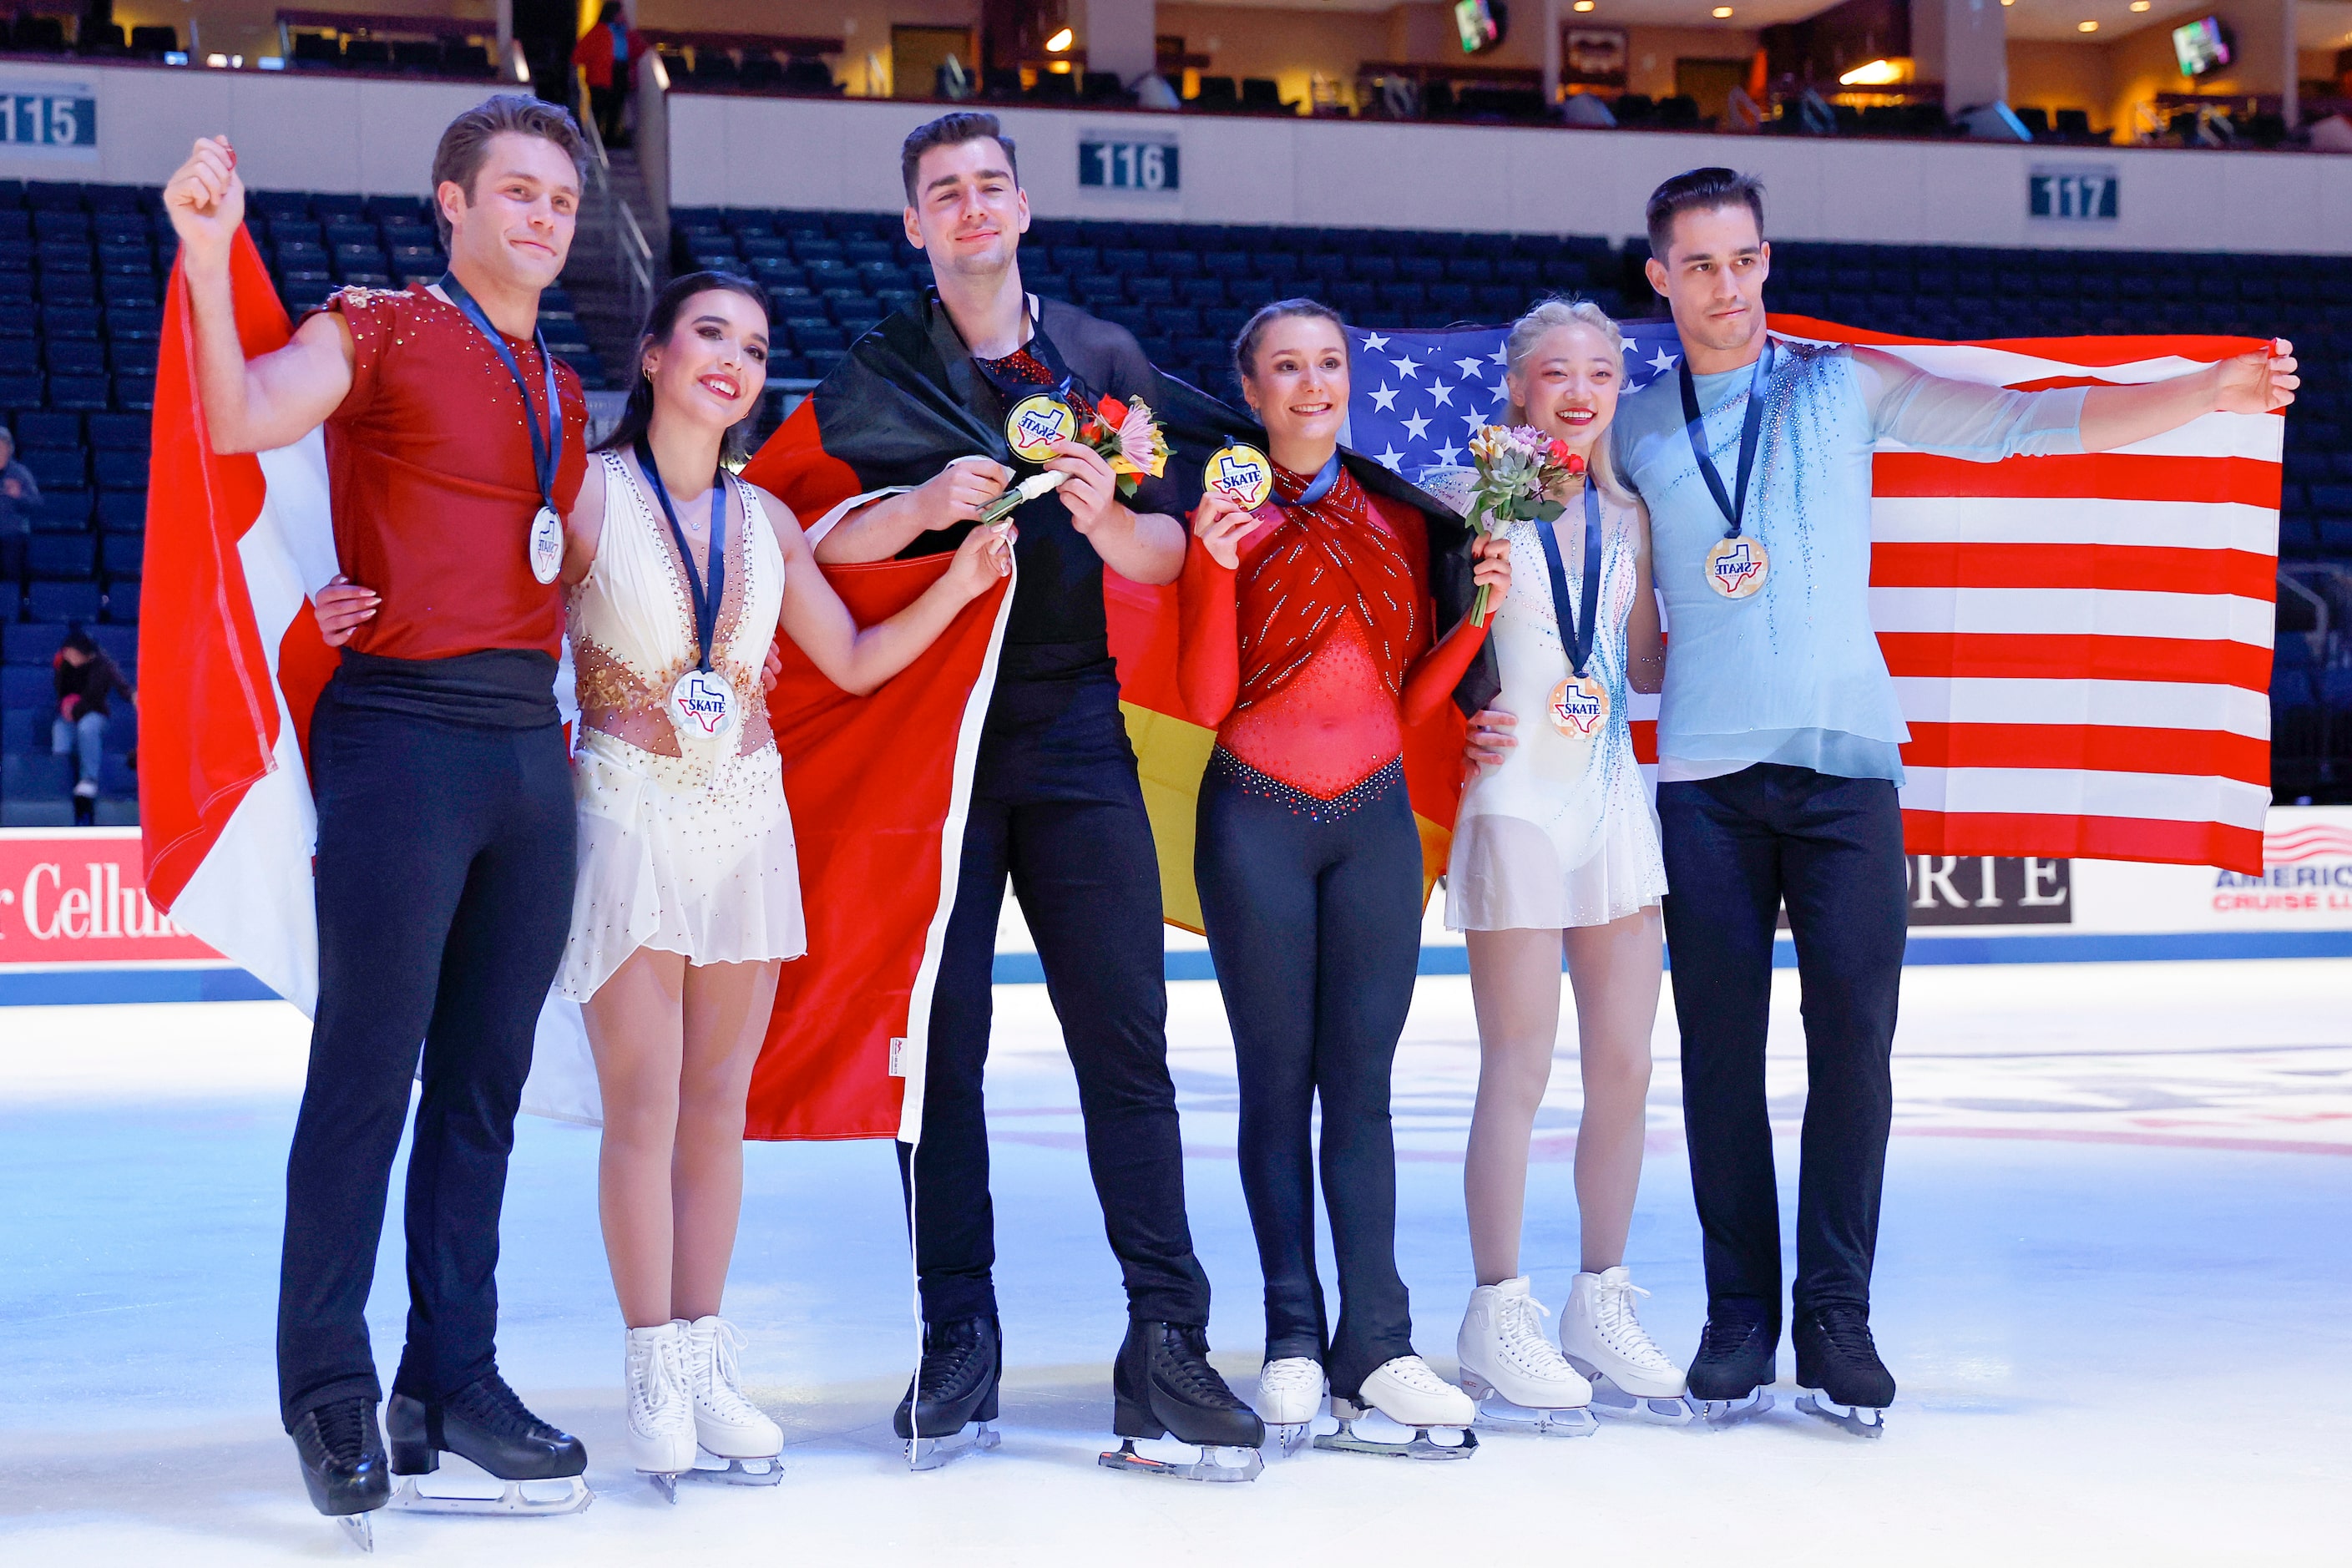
x=1420 y=397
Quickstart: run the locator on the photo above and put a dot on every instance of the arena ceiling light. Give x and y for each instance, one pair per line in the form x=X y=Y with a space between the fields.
x=2086 y=26
x=1060 y=41
x=1721 y=13
x=2142 y=5
x=1877 y=73
x=1583 y=4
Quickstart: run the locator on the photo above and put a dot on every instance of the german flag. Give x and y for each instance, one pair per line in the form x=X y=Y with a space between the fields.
x=879 y=786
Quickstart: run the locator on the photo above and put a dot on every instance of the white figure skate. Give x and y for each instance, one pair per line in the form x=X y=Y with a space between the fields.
x=1406 y=1392
x=661 y=1412
x=1289 y=1397
x=728 y=1426
x=1520 y=1382
x=1603 y=1339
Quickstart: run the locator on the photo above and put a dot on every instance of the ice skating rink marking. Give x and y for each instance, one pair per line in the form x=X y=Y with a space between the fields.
x=2095 y=1266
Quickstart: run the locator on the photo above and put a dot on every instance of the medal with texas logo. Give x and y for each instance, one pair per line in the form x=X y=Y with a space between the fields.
x=1035 y=423
x=1737 y=563
x=703 y=707
x=1579 y=706
x=1240 y=473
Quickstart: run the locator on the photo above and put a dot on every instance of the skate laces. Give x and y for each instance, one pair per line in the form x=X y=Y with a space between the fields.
x=1187 y=1366
x=1518 y=1330
x=1414 y=1374
x=490 y=1403
x=658 y=1401
x=1725 y=1336
x=1847 y=1329
x=948 y=1350
x=1621 y=1330
x=1291 y=1374
x=721 y=1388
x=343 y=1428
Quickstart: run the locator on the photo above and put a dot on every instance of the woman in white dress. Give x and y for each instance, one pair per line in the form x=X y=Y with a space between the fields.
x=1556 y=847
x=689 y=894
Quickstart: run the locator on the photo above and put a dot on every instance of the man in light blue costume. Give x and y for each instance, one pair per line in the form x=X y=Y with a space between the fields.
x=1779 y=743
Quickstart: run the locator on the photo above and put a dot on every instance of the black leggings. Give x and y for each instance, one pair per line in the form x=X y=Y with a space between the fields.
x=1314 y=922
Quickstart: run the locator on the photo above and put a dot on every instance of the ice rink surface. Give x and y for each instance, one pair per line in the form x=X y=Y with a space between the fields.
x=2112 y=1279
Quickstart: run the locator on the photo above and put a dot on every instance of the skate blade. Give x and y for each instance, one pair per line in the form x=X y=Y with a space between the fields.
x=1612 y=1402
x=513 y=1500
x=1861 y=1420
x=1288 y=1438
x=1422 y=1447
x=765 y=1470
x=935 y=1452
x=1722 y=1414
x=664 y=1482
x=1214 y=1464
x=1497 y=1413
x=359 y=1529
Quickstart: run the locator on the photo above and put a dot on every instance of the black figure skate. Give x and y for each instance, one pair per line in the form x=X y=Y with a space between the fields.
x=1731 y=1377
x=536 y=1469
x=1839 y=1375
x=954 y=1387
x=343 y=1467
x=1164 y=1387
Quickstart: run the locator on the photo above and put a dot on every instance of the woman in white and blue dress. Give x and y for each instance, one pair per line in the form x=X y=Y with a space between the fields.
x=1556 y=848
x=688 y=892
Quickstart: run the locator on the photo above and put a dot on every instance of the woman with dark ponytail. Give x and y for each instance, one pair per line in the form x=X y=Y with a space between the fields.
x=689 y=895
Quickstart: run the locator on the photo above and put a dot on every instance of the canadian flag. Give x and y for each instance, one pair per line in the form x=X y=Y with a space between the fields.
x=232 y=662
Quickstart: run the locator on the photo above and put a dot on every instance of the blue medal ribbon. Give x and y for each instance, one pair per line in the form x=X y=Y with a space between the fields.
x=706 y=594
x=1733 y=506
x=1577 y=625
x=1320 y=486
x=546 y=448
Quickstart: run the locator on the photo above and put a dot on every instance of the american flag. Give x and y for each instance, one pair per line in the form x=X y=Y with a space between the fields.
x=2081 y=644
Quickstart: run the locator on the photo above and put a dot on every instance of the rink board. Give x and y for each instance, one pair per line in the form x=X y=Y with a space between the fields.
x=76 y=926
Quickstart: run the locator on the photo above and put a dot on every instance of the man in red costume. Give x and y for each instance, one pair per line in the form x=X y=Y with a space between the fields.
x=445 y=856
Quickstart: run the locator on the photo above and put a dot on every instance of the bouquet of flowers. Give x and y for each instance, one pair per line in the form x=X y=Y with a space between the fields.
x=1126 y=435
x=1129 y=440
x=1519 y=468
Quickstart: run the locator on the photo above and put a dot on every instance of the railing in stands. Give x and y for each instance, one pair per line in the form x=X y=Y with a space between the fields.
x=632 y=255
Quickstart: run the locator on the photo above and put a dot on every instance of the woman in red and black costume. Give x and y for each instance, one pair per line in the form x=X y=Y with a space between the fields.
x=1310 y=645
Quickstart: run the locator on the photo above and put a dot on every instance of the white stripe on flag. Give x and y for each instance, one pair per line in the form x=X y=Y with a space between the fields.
x=2073 y=612
x=2129 y=704
x=2163 y=524
x=2070 y=792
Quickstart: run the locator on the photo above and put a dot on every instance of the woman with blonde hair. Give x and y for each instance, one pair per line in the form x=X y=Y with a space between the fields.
x=1557 y=849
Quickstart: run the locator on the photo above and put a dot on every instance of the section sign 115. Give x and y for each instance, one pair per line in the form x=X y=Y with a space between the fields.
x=47 y=115
x=1127 y=165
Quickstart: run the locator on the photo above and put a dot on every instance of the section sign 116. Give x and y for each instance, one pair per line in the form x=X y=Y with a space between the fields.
x=1127 y=165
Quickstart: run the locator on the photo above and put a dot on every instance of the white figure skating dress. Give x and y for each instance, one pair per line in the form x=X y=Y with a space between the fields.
x=684 y=847
x=1562 y=832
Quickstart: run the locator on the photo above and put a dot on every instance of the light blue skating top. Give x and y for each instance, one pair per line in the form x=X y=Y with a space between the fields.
x=1794 y=674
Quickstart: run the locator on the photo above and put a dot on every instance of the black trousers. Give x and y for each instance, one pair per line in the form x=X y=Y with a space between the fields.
x=1736 y=848
x=606 y=103
x=1056 y=810
x=1315 y=926
x=445 y=870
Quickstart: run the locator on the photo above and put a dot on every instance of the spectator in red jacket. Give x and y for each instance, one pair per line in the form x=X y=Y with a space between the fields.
x=605 y=55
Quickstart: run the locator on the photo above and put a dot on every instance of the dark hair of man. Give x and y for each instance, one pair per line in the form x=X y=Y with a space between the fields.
x=952 y=130
x=661 y=320
x=465 y=144
x=1246 y=340
x=1701 y=190
x=610 y=14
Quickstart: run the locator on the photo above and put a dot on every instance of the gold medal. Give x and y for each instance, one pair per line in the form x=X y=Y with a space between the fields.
x=1242 y=474
x=1037 y=422
x=1736 y=567
x=1579 y=707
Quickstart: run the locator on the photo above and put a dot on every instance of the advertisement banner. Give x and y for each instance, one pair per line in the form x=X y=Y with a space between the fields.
x=80 y=898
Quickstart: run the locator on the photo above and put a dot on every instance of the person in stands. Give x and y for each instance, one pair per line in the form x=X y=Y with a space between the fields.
x=605 y=55
x=20 y=498
x=87 y=676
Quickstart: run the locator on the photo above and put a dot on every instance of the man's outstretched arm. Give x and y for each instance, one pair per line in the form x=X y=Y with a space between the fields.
x=250 y=406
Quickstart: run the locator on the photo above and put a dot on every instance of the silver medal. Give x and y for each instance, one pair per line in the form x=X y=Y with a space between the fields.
x=546 y=545
x=702 y=707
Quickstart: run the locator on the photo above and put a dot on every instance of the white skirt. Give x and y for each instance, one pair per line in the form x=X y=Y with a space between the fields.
x=685 y=854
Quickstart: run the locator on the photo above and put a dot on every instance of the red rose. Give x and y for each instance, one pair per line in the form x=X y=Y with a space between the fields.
x=1575 y=464
x=1113 y=411
x=1560 y=452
